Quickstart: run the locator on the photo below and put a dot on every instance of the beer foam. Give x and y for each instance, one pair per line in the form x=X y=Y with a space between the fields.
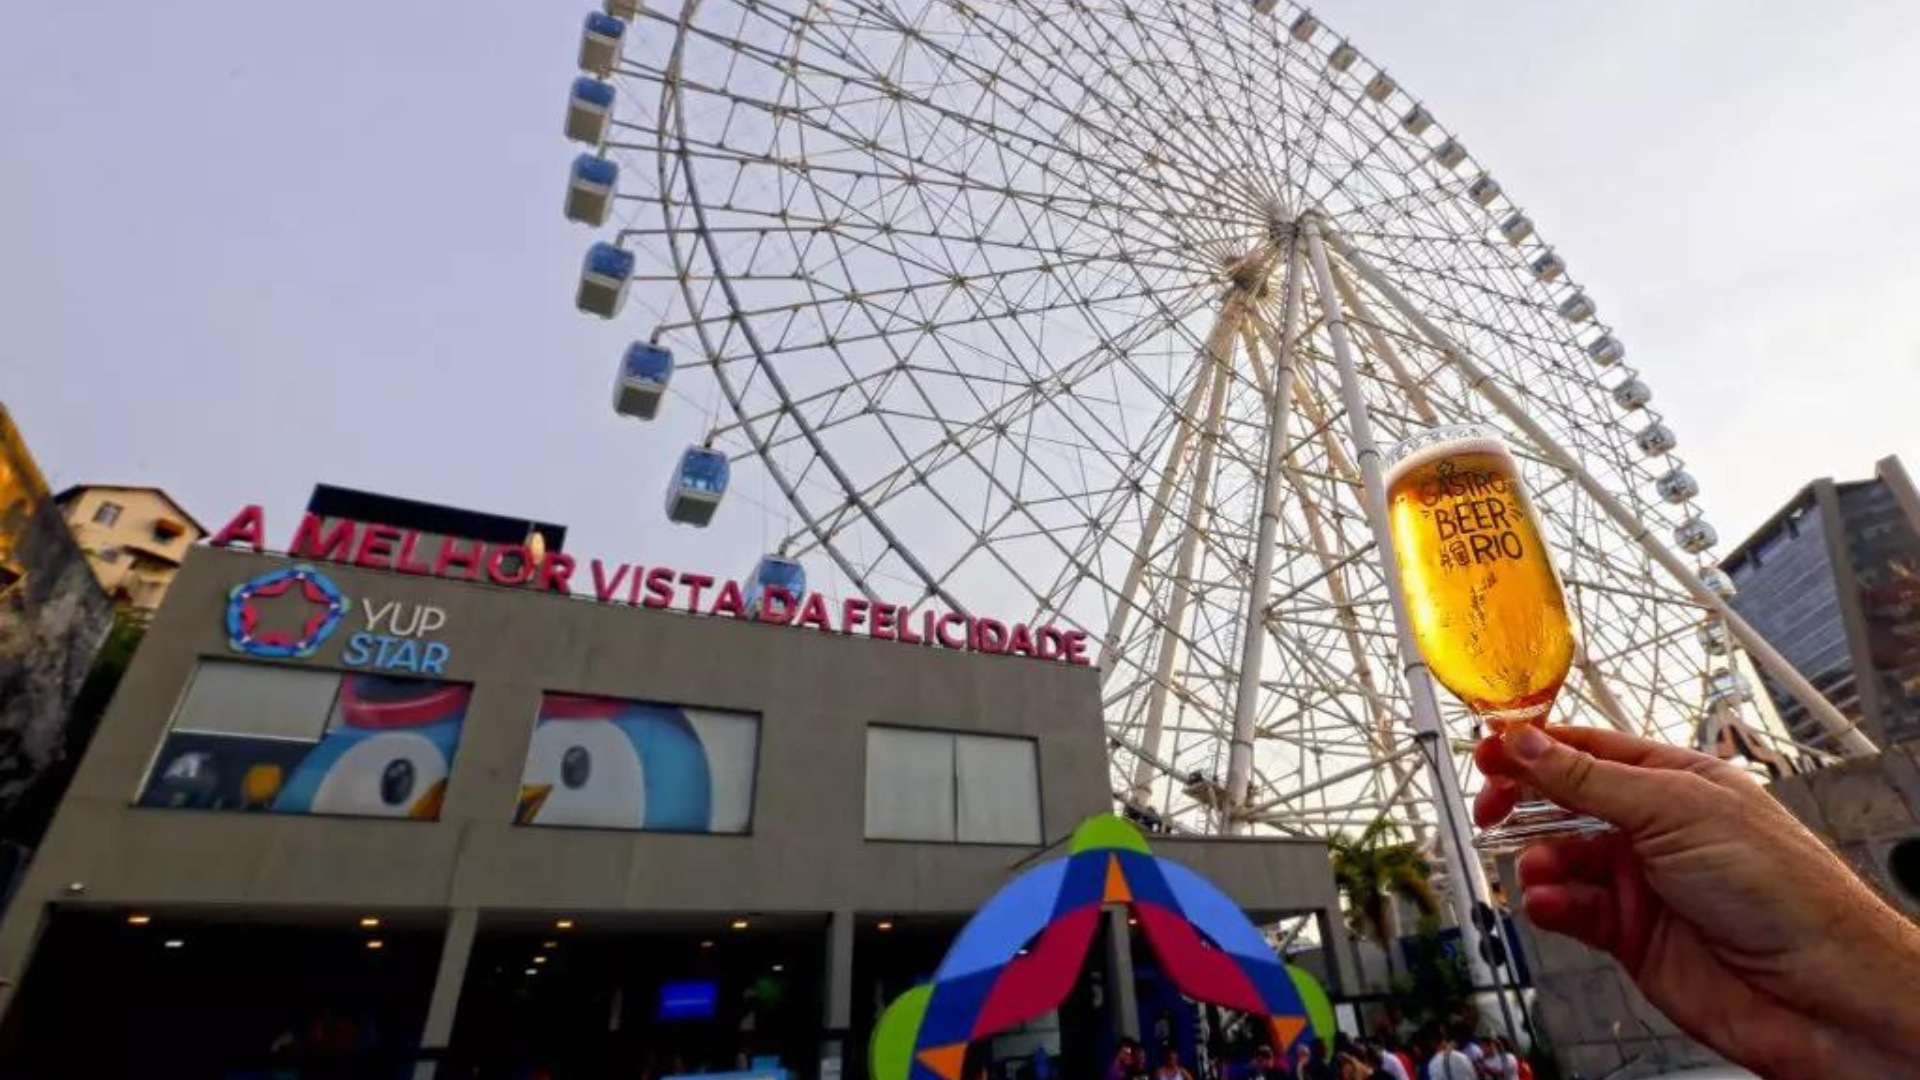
x=1471 y=444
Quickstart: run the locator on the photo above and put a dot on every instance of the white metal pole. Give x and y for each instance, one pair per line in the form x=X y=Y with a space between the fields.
x=1845 y=732
x=1156 y=514
x=1253 y=641
x=1220 y=359
x=1456 y=851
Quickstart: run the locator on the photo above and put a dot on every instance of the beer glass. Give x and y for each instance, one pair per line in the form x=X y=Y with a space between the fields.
x=1482 y=595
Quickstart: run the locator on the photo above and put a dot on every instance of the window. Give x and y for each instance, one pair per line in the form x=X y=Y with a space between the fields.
x=108 y=554
x=952 y=788
x=107 y=513
x=262 y=737
x=615 y=764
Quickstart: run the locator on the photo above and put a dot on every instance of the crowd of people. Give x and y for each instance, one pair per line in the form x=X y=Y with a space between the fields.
x=1432 y=1054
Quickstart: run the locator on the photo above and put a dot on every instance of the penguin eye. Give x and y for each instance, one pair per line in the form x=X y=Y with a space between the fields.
x=396 y=782
x=575 y=766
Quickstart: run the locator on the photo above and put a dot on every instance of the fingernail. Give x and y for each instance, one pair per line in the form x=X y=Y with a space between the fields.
x=1531 y=744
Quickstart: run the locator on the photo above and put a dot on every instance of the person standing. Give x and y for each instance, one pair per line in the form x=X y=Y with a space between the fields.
x=1388 y=1062
x=1170 y=1067
x=1449 y=1063
x=1502 y=1063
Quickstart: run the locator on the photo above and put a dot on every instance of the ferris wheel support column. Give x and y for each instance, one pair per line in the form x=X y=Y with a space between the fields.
x=1143 y=552
x=1608 y=704
x=1463 y=868
x=1845 y=732
x=1253 y=641
x=1219 y=350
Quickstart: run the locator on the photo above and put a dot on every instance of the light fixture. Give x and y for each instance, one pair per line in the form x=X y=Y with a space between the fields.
x=533 y=971
x=376 y=944
x=139 y=920
x=739 y=924
x=174 y=943
x=706 y=944
x=883 y=925
x=778 y=968
x=549 y=944
x=563 y=924
x=369 y=922
x=539 y=959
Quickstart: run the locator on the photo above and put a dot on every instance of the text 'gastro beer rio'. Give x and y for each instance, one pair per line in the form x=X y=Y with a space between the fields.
x=1481 y=590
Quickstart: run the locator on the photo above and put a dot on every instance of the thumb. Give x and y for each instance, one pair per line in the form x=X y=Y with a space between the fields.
x=1634 y=798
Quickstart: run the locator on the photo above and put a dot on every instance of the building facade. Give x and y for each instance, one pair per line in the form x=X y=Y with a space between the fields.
x=570 y=827
x=135 y=539
x=1833 y=581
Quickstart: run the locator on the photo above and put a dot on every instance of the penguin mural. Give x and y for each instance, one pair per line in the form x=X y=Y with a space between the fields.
x=388 y=755
x=618 y=765
x=1019 y=956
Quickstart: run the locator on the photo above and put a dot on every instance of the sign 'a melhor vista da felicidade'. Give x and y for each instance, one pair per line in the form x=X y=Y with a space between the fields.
x=386 y=547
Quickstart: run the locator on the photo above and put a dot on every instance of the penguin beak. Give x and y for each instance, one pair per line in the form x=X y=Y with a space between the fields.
x=427 y=806
x=532 y=798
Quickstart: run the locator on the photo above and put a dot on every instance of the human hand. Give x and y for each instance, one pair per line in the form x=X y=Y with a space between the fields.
x=1732 y=918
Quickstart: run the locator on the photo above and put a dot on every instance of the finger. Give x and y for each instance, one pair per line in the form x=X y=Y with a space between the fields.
x=1572 y=860
x=1609 y=745
x=1578 y=910
x=1633 y=797
x=1495 y=801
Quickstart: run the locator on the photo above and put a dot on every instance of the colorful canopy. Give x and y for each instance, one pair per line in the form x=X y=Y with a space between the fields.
x=1019 y=955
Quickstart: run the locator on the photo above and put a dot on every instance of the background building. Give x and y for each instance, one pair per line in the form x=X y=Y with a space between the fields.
x=135 y=539
x=392 y=810
x=1833 y=581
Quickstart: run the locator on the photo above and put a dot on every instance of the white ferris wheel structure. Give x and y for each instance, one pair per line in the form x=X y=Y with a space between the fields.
x=1099 y=313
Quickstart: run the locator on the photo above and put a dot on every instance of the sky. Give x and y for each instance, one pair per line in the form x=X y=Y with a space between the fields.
x=248 y=247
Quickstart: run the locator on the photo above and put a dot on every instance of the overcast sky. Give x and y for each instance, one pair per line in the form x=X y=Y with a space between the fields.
x=245 y=247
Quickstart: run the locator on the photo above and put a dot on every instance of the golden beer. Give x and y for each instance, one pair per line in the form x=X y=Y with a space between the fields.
x=1481 y=591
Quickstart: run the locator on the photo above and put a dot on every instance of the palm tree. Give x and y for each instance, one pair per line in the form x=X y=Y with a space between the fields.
x=1370 y=871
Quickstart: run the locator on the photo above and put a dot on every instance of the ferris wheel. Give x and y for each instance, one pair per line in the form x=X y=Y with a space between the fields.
x=1097 y=312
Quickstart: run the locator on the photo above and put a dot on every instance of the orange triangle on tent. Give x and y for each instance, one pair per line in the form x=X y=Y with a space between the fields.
x=1285 y=1030
x=946 y=1060
x=1117 y=891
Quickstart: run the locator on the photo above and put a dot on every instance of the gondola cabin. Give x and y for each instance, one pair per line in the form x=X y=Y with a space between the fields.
x=1677 y=486
x=590 y=188
x=1576 y=308
x=775 y=572
x=1657 y=439
x=1632 y=394
x=1516 y=228
x=600 y=41
x=697 y=485
x=589 y=110
x=1605 y=350
x=645 y=371
x=603 y=280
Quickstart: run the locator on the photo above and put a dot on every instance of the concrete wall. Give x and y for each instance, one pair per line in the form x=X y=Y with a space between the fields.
x=1864 y=808
x=816 y=695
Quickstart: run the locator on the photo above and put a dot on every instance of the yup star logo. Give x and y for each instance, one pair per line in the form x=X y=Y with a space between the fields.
x=314 y=596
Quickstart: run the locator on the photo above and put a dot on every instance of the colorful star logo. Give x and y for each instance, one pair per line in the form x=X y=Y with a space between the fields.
x=323 y=598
